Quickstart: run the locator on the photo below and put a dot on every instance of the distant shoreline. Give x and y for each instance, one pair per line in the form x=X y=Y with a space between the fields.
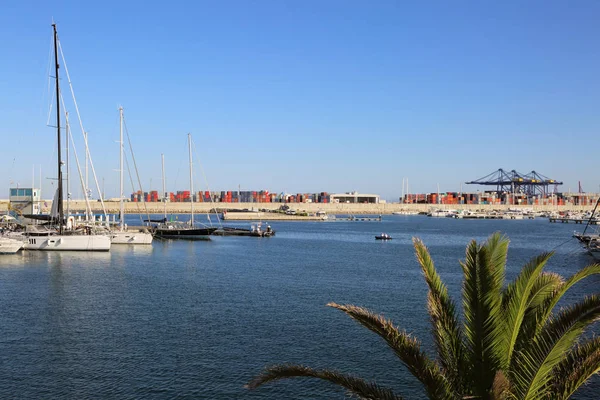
x=330 y=208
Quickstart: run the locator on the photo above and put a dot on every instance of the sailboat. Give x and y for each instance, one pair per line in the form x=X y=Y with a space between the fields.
x=63 y=238
x=591 y=241
x=123 y=235
x=179 y=229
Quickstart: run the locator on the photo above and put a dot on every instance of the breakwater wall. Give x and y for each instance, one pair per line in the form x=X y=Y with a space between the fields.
x=330 y=208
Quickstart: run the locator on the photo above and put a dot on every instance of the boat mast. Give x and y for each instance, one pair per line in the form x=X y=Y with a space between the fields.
x=121 y=205
x=60 y=194
x=162 y=156
x=191 y=178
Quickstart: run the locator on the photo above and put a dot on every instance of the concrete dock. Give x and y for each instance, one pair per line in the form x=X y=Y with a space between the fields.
x=112 y=207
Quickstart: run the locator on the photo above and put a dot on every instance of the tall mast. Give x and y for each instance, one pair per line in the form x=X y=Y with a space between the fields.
x=60 y=194
x=122 y=205
x=191 y=178
x=162 y=156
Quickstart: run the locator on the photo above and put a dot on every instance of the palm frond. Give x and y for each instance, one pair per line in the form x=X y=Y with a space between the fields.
x=534 y=365
x=483 y=271
x=546 y=284
x=576 y=368
x=446 y=328
x=542 y=292
x=583 y=273
x=357 y=386
x=406 y=347
x=516 y=300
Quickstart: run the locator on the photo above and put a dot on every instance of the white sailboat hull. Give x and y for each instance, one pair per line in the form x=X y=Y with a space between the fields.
x=68 y=243
x=439 y=214
x=10 y=246
x=131 y=238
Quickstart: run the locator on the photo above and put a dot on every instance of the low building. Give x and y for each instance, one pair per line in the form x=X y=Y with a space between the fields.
x=24 y=200
x=354 y=197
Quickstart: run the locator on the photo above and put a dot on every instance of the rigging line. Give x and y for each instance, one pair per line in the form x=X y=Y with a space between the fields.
x=133 y=188
x=591 y=216
x=51 y=106
x=87 y=201
x=181 y=159
x=207 y=186
x=50 y=80
x=82 y=131
x=135 y=165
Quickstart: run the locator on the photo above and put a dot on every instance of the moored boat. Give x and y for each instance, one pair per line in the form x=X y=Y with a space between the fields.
x=255 y=230
x=10 y=246
x=182 y=230
x=57 y=236
x=123 y=235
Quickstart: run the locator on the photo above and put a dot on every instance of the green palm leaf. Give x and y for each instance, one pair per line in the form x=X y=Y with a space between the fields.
x=516 y=299
x=446 y=329
x=483 y=270
x=357 y=386
x=583 y=273
x=537 y=361
x=406 y=347
x=542 y=293
x=576 y=368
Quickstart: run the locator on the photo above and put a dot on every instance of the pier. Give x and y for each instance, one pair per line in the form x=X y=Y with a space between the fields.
x=574 y=220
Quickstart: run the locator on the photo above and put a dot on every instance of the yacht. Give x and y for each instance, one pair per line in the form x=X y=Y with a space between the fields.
x=60 y=236
x=122 y=234
x=179 y=229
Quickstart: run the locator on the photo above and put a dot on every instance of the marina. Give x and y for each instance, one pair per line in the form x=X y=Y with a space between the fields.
x=181 y=316
x=286 y=131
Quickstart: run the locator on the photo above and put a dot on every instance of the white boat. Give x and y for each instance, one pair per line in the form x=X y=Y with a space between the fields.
x=10 y=246
x=123 y=235
x=593 y=248
x=130 y=237
x=63 y=238
x=438 y=213
x=510 y=214
x=75 y=241
x=405 y=212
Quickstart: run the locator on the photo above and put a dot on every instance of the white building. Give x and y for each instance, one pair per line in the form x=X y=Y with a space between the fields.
x=24 y=200
x=354 y=197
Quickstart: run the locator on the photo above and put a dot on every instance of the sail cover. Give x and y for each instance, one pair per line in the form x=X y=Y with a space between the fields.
x=54 y=209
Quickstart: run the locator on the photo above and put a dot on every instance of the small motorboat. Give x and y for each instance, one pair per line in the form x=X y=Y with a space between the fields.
x=383 y=236
x=10 y=246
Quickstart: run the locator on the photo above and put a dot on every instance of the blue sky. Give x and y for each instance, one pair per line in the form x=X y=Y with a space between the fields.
x=310 y=96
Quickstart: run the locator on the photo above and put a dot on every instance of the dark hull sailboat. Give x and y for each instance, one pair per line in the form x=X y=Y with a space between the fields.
x=180 y=231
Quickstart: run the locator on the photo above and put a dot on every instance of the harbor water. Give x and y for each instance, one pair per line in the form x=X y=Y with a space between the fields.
x=199 y=319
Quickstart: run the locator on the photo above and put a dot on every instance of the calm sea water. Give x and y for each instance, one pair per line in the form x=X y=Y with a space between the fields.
x=199 y=319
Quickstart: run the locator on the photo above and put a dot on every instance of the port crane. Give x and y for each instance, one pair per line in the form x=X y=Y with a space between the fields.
x=531 y=184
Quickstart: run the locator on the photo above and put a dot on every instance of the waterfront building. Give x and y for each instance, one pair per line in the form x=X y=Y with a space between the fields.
x=24 y=200
x=354 y=197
